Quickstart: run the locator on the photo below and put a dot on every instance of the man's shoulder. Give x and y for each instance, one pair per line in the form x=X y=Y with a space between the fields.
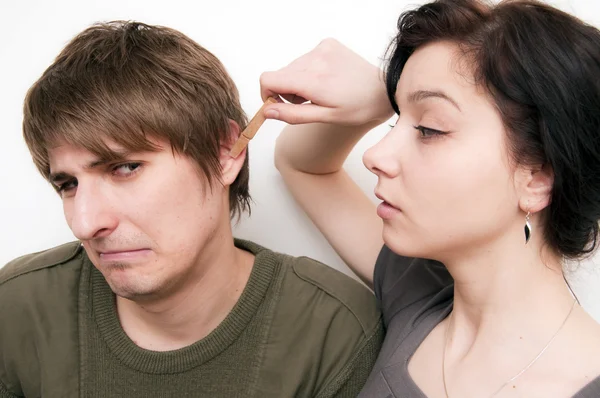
x=326 y=321
x=337 y=291
x=27 y=266
x=38 y=314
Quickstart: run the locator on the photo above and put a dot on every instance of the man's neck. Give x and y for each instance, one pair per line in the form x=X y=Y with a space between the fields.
x=194 y=307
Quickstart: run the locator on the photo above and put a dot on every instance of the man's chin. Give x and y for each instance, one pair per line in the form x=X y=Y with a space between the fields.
x=124 y=283
x=133 y=292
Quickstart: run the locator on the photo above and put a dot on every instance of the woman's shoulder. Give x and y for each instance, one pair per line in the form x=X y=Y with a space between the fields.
x=583 y=349
x=571 y=366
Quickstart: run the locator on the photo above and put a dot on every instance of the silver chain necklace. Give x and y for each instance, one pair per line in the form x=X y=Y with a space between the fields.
x=515 y=376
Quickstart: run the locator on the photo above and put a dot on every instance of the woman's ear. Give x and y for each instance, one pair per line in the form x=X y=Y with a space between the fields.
x=535 y=187
x=230 y=167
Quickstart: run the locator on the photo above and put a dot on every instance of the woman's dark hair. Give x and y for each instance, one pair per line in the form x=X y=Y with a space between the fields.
x=541 y=67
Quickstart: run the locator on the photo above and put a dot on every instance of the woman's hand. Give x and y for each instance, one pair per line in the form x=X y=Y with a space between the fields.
x=342 y=87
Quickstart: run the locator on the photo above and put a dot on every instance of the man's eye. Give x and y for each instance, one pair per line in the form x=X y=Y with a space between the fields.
x=126 y=169
x=67 y=186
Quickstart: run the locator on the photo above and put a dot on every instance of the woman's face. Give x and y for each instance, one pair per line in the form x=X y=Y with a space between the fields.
x=443 y=170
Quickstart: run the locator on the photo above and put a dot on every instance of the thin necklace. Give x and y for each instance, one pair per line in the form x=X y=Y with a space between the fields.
x=515 y=376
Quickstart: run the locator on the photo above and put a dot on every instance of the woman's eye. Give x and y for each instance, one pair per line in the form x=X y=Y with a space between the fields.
x=427 y=132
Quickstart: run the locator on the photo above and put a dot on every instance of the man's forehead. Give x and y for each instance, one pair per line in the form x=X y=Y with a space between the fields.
x=64 y=153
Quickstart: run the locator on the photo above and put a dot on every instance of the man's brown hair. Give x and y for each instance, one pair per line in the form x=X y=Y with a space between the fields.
x=128 y=82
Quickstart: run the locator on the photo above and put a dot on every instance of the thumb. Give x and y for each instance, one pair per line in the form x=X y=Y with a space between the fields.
x=298 y=113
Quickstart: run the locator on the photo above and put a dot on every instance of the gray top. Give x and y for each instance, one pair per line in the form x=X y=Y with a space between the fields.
x=415 y=295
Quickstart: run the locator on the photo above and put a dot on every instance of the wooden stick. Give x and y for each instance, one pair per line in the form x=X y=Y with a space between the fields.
x=250 y=130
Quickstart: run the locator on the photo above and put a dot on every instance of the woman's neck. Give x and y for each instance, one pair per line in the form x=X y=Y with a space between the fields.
x=507 y=288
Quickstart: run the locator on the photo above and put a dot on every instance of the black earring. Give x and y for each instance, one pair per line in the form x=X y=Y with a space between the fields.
x=527 y=228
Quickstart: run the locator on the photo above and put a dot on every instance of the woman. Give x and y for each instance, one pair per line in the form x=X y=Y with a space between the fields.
x=489 y=180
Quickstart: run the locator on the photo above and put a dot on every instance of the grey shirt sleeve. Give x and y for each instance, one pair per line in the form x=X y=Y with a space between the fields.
x=399 y=282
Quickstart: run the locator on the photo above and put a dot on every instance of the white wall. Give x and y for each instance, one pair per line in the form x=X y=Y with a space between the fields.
x=249 y=37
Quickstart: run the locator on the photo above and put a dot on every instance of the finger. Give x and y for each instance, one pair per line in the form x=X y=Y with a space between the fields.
x=274 y=84
x=294 y=99
x=298 y=114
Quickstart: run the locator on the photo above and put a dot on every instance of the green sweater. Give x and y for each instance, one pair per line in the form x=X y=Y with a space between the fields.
x=299 y=329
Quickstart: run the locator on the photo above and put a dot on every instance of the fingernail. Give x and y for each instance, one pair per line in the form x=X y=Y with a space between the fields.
x=272 y=114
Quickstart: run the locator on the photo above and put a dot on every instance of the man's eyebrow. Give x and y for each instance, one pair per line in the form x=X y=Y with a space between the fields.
x=57 y=178
x=421 y=95
x=113 y=157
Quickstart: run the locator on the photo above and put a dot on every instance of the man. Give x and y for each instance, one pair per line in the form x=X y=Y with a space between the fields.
x=132 y=125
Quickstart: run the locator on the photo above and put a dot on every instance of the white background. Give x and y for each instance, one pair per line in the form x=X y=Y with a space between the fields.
x=249 y=37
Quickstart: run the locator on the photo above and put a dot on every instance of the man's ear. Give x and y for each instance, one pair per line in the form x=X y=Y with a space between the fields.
x=535 y=187
x=230 y=167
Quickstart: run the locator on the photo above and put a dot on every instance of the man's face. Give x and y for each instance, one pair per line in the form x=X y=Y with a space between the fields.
x=145 y=219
